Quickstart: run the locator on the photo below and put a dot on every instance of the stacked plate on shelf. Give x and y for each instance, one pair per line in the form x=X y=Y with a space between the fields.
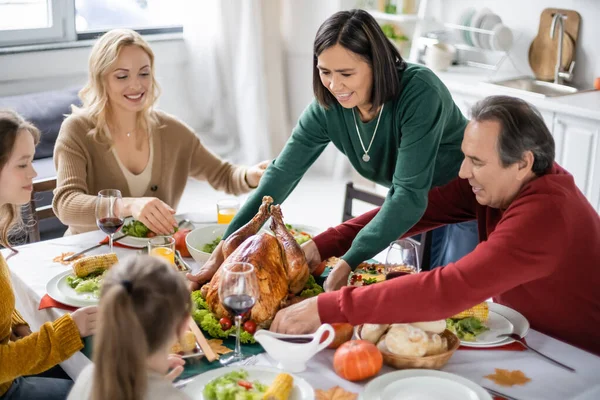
x=499 y=38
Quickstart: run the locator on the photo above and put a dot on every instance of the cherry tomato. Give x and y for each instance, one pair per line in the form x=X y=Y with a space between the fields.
x=245 y=384
x=225 y=323
x=250 y=327
x=151 y=234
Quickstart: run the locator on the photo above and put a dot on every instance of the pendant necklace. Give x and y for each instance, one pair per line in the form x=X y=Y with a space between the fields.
x=366 y=156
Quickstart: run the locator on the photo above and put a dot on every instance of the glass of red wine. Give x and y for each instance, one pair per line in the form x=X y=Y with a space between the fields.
x=109 y=212
x=238 y=292
x=401 y=259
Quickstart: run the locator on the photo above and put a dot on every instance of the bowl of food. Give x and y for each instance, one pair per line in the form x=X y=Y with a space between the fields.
x=427 y=345
x=201 y=242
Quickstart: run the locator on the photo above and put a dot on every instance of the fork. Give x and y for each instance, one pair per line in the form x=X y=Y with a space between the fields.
x=252 y=360
x=519 y=339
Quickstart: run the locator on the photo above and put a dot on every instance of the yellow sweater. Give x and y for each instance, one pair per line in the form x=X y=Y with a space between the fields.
x=55 y=342
x=84 y=167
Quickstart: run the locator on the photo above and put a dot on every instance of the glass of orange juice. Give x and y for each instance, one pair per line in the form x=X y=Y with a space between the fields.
x=162 y=247
x=226 y=210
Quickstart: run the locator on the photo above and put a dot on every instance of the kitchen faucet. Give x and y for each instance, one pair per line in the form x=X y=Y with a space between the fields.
x=558 y=74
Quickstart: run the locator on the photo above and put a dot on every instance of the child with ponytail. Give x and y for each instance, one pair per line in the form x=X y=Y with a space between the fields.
x=144 y=308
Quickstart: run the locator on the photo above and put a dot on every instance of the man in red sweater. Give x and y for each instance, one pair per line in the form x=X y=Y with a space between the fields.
x=539 y=250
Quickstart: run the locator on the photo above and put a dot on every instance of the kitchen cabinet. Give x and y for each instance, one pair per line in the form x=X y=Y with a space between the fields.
x=578 y=151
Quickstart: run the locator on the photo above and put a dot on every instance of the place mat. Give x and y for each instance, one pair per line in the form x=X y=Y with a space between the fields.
x=514 y=346
x=49 y=302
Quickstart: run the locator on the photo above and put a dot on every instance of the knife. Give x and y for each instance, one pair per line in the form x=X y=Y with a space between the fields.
x=92 y=248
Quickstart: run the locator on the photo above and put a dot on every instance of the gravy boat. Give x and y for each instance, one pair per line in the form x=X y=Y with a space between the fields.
x=293 y=351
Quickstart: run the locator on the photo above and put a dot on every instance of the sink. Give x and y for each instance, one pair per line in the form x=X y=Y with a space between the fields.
x=533 y=87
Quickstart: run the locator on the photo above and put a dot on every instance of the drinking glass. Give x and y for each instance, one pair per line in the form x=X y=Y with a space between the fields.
x=401 y=259
x=162 y=247
x=226 y=210
x=109 y=212
x=238 y=292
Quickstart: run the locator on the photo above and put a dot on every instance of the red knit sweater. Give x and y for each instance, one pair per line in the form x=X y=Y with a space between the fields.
x=540 y=256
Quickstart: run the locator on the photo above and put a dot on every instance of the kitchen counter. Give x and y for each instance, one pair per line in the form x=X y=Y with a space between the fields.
x=474 y=82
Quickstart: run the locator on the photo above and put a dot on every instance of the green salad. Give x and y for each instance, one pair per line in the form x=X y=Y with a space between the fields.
x=89 y=284
x=136 y=228
x=210 y=247
x=466 y=329
x=299 y=235
x=234 y=386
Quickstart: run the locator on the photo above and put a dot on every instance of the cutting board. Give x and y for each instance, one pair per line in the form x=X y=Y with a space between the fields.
x=544 y=50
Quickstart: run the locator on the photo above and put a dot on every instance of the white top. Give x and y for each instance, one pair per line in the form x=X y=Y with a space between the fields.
x=138 y=184
x=158 y=388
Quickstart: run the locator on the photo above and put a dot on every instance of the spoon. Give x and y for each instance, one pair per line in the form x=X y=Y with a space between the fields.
x=519 y=339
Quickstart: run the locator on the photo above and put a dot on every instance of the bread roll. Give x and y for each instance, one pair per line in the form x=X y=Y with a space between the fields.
x=432 y=326
x=373 y=332
x=406 y=340
x=381 y=344
x=436 y=344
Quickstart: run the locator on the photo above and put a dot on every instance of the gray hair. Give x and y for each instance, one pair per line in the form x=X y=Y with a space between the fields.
x=522 y=129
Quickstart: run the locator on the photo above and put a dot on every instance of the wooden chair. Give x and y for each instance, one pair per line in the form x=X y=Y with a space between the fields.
x=41 y=212
x=424 y=240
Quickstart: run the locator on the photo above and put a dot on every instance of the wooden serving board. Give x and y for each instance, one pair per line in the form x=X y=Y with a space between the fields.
x=544 y=50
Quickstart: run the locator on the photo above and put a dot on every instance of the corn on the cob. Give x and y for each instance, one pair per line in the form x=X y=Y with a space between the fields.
x=281 y=388
x=88 y=265
x=480 y=311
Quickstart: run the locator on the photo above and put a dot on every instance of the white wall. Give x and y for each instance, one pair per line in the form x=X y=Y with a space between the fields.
x=56 y=69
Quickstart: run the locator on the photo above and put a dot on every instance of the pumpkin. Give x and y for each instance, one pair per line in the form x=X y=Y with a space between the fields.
x=357 y=360
x=343 y=333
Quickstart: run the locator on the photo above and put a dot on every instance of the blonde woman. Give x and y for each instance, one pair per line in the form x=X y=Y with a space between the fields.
x=144 y=307
x=118 y=140
x=21 y=351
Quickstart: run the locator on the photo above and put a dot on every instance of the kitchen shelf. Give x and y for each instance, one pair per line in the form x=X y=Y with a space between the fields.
x=394 y=17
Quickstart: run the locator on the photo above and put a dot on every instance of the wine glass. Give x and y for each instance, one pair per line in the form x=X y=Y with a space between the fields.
x=109 y=210
x=401 y=259
x=238 y=292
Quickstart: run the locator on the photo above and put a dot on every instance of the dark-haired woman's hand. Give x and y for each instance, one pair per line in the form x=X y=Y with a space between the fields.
x=338 y=277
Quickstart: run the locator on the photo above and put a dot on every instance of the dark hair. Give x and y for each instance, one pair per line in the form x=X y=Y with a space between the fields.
x=522 y=129
x=143 y=301
x=11 y=124
x=357 y=31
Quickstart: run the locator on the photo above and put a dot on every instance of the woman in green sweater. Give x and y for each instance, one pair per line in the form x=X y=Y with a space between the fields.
x=396 y=122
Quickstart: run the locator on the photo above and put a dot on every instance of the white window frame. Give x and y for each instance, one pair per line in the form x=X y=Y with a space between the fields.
x=62 y=29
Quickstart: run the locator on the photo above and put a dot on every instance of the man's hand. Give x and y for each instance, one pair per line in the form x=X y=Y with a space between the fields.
x=311 y=252
x=176 y=364
x=207 y=271
x=338 y=277
x=299 y=318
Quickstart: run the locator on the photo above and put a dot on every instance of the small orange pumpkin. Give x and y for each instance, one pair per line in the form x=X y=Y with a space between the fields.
x=343 y=333
x=357 y=360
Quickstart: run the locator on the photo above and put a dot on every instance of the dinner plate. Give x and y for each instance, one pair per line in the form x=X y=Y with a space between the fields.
x=59 y=290
x=423 y=384
x=133 y=241
x=519 y=324
x=301 y=390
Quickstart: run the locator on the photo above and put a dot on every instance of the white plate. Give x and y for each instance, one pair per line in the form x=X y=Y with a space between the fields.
x=301 y=390
x=423 y=384
x=136 y=242
x=476 y=23
x=58 y=289
x=519 y=323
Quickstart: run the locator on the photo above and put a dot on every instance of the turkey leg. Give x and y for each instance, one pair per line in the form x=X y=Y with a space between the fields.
x=293 y=256
x=250 y=229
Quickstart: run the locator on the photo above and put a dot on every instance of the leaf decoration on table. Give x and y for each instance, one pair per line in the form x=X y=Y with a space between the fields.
x=61 y=259
x=335 y=393
x=217 y=346
x=504 y=377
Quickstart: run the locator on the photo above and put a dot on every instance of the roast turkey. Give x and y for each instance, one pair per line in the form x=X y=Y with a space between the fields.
x=279 y=263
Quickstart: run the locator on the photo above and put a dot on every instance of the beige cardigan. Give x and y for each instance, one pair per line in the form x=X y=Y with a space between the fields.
x=84 y=167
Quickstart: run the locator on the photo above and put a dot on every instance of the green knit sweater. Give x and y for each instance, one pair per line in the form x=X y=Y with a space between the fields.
x=417 y=146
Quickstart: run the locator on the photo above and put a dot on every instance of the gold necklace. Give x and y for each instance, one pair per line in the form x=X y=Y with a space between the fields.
x=366 y=156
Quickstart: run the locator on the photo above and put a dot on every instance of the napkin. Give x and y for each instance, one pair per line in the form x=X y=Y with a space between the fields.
x=49 y=302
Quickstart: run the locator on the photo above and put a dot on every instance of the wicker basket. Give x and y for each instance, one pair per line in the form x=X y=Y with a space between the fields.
x=429 y=362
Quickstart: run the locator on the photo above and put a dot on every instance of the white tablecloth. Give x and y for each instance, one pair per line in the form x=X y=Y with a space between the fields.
x=32 y=268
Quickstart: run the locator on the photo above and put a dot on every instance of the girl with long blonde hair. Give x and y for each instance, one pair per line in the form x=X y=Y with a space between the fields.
x=23 y=352
x=144 y=307
x=118 y=140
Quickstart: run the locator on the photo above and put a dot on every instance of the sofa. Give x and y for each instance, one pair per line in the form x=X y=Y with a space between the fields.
x=46 y=110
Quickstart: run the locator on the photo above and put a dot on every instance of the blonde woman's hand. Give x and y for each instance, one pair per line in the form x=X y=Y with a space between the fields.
x=176 y=364
x=157 y=215
x=253 y=174
x=311 y=252
x=85 y=319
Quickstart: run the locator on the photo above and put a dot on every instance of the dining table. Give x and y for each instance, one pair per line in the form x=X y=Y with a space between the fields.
x=33 y=267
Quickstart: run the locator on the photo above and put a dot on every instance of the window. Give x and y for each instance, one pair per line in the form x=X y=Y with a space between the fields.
x=44 y=21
